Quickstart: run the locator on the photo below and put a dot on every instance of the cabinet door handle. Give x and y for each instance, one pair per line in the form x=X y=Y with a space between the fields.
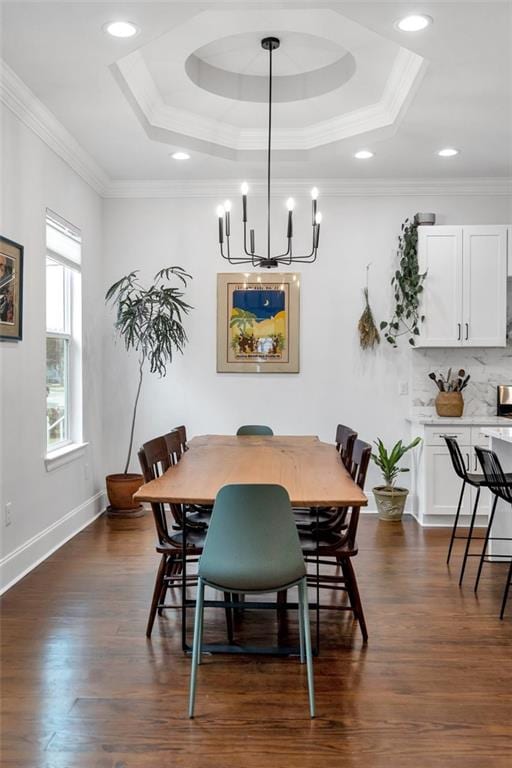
x=467 y=331
x=476 y=462
x=459 y=332
x=467 y=454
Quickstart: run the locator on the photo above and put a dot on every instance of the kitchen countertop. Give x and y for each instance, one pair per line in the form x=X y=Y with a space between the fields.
x=501 y=433
x=469 y=421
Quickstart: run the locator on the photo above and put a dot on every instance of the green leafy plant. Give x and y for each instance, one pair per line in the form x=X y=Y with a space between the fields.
x=388 y=461
x=150 y=321
x=407 y=284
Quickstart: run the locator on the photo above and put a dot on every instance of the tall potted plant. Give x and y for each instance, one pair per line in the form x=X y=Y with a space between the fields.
x=150 y=321
x=389 y=498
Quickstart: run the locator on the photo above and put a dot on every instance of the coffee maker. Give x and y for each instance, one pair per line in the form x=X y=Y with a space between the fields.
x=505 y=400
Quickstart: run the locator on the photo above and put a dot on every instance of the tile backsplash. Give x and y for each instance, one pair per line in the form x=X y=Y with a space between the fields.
x=488 y=368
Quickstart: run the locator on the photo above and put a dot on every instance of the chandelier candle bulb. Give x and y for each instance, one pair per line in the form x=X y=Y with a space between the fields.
x=227 y=209
x=290 y=204
x=220 y=214
x=245 y=189
x=316 y=236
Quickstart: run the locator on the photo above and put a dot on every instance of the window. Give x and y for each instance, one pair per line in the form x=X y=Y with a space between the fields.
x=63 y=334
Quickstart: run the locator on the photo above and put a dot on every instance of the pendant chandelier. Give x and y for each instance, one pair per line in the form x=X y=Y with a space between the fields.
x=250 y=256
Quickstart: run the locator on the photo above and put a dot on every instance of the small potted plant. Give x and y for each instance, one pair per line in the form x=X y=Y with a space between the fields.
x=449 y=400
x=391 y=500
x=150 y=321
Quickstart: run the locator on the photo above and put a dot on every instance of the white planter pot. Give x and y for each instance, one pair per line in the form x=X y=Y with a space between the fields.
x=390 y=502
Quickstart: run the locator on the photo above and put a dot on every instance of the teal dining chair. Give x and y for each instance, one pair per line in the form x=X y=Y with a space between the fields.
x=252 y=547
x=254 y=429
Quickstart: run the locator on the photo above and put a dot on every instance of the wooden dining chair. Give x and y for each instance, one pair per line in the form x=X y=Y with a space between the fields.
x=336 y=546
x=182 y=431
x=254 y=429
x=197 y=514
x=154 y=461
x=173 y=440
x=310 y=517
x=345 y=439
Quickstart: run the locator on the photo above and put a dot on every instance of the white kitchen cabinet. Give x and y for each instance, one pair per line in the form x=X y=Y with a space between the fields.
x=465 y=291
x=484 y=279
x=443 y=487
x=435 y=486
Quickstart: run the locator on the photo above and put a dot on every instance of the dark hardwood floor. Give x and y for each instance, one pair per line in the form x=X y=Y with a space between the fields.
x=83 y=688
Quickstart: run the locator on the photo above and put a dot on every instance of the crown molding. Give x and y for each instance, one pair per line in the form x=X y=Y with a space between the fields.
x=35 y=115
x=221 y=188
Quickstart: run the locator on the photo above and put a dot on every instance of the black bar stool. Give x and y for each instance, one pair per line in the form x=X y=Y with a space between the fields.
x=477 y=481
x=501 y=486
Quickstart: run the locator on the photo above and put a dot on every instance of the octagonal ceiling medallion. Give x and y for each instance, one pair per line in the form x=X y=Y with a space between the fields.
x=202 y=85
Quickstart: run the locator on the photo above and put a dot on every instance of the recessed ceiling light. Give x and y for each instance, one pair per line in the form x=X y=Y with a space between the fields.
x=180 y=156
x=448 y=152
x=413 y=23
x=363 y=154
x=121 y=28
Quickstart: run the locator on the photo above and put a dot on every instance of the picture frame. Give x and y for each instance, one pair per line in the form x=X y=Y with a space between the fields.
x=258 y=322
x=11 y=290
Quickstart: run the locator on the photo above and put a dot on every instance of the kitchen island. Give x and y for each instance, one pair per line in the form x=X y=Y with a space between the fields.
x=501 y=442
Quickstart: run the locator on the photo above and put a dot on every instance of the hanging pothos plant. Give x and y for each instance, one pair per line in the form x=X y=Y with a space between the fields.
x=407 y=283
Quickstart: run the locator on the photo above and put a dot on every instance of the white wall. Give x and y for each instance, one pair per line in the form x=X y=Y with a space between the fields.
x=337 y=381
x=46 y=507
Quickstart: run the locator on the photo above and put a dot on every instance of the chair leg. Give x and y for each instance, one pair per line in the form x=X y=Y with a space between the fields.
x=301 y=628
x=159 y=581
x=505 y=594
x=197 y=642
x=201 y=619
x=353 y=595
x=165 y=585
x=486 y=541
x=470 y=535
x=455 y=523
x=282 y=617
x=229 y=617
x=304 y=608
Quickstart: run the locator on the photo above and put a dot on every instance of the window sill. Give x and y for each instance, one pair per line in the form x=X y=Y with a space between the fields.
x=64 y=455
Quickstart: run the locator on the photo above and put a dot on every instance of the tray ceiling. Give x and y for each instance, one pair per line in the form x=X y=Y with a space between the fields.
x=194 y=79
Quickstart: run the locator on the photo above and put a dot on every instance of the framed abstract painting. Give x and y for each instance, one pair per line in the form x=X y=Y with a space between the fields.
x=258 y=323
x=11 y=290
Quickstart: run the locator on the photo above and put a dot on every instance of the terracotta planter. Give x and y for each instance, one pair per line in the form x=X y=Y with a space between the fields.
x=120 y=490
x=449 y=404
x=390 y=502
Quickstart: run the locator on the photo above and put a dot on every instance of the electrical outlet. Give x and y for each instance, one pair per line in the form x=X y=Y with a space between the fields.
x=8 y=513
x=403 y=388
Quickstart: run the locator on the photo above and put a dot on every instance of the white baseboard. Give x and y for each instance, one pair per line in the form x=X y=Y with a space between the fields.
x=27 y=556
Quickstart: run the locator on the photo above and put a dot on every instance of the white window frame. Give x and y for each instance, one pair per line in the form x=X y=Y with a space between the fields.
x=72 y=446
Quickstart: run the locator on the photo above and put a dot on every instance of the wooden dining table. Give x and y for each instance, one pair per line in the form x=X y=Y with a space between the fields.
x=311 y=471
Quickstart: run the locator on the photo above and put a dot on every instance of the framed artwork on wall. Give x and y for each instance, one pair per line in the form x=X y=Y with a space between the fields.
x=11 y=290
x=258 y=323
